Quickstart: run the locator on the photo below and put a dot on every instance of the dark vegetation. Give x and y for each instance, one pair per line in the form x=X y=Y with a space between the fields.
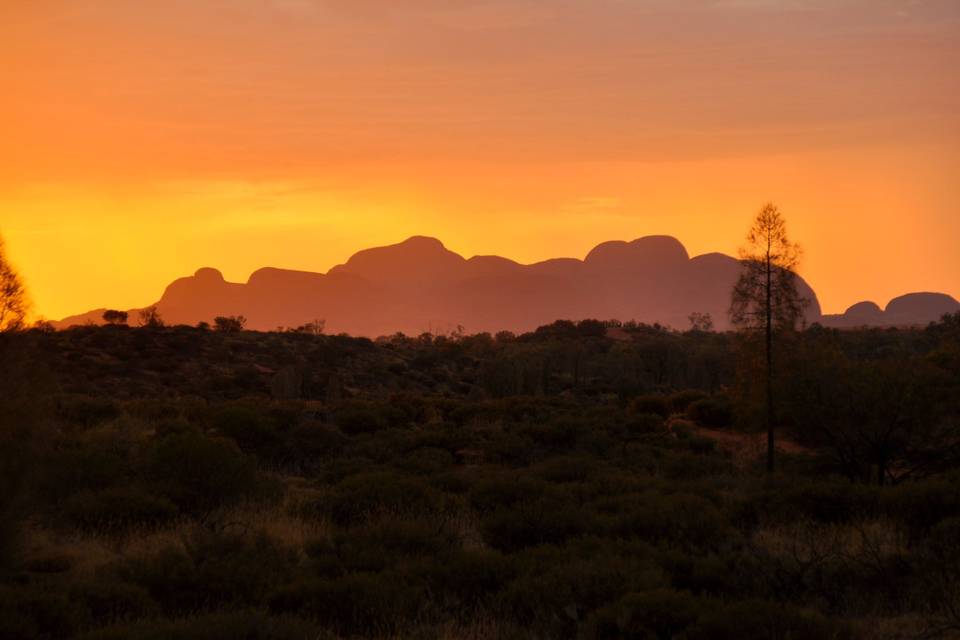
x=178 y=482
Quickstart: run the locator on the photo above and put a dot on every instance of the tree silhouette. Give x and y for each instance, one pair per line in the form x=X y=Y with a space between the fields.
x=229 y=324
x=702 y=322
x=765 y=297
x=314 y=328
x=150 y=317
x=112 y=316
x=13 y=296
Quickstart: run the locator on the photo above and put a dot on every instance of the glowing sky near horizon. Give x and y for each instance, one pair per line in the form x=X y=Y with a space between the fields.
x=142 y=140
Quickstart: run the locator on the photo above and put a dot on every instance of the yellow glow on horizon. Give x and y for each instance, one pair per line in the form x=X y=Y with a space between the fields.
x=121 y=250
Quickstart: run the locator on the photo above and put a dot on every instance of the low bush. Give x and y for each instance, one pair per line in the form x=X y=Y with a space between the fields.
x=228 y=625
x=116 y=509
x=362 y=604
x=379 y=546
x=655 y=404
x=85 y=411
x=661 y=613
x=715 y=413
x=761 y=620
x=681 y=400
x=211 y=570
x=200 y=474
x=380 y=494
x=252 y=432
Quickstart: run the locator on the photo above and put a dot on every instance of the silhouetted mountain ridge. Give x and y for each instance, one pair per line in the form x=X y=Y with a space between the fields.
x=419 y=285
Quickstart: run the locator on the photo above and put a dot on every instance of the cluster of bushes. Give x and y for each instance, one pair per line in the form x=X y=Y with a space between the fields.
x=400 y=497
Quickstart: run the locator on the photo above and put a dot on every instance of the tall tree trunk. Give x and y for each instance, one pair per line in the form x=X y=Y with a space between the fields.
x=769 y=329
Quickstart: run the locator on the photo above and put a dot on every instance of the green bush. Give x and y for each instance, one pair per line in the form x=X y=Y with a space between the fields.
x=715 y=413
x=200 y=474
x=252 y=432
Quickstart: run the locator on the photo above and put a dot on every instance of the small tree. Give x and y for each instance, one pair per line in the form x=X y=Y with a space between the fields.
x=114 y=317
x=13 y=296
x=229 y=324
x=765 y=298
x=314 y=328
x=150 y=317
x=702 y=322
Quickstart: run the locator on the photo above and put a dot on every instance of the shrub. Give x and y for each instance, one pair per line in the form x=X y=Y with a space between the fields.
x=251 y=431
x=427 y=461
x=379 y=546
x=680 y=400
x=108 y=600
x=505 y=491
x=229 y=324
x=200 y=474
x=213 y=569
x=685 y=519
x=655 y=404
x=33 y=612
x=357 y=604
x=644 y=424
x=661 y=613
x=921 y=505
x=249 y=625
x=467 y=577
x=86 y=411
x=307 y=446
x=559 y=587
x=824 y=501
x=564 y=469
x=716 y=412
x=380 y=493
x=358 y=418
x=761 y=620
x=75 y=469
x=548 y=521
x=117 y=508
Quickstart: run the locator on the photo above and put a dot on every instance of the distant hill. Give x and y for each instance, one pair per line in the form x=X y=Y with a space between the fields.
x=907 y=310
x=419 y=285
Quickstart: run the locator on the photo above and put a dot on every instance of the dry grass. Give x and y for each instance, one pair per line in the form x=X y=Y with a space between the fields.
x=85 y=553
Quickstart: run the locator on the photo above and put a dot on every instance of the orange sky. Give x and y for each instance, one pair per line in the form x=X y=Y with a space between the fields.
x=141 y=140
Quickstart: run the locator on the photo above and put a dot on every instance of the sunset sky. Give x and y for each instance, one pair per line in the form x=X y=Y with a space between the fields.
x=140 y=140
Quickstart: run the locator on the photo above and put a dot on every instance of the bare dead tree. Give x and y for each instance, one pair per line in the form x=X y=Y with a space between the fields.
x=14 y=304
